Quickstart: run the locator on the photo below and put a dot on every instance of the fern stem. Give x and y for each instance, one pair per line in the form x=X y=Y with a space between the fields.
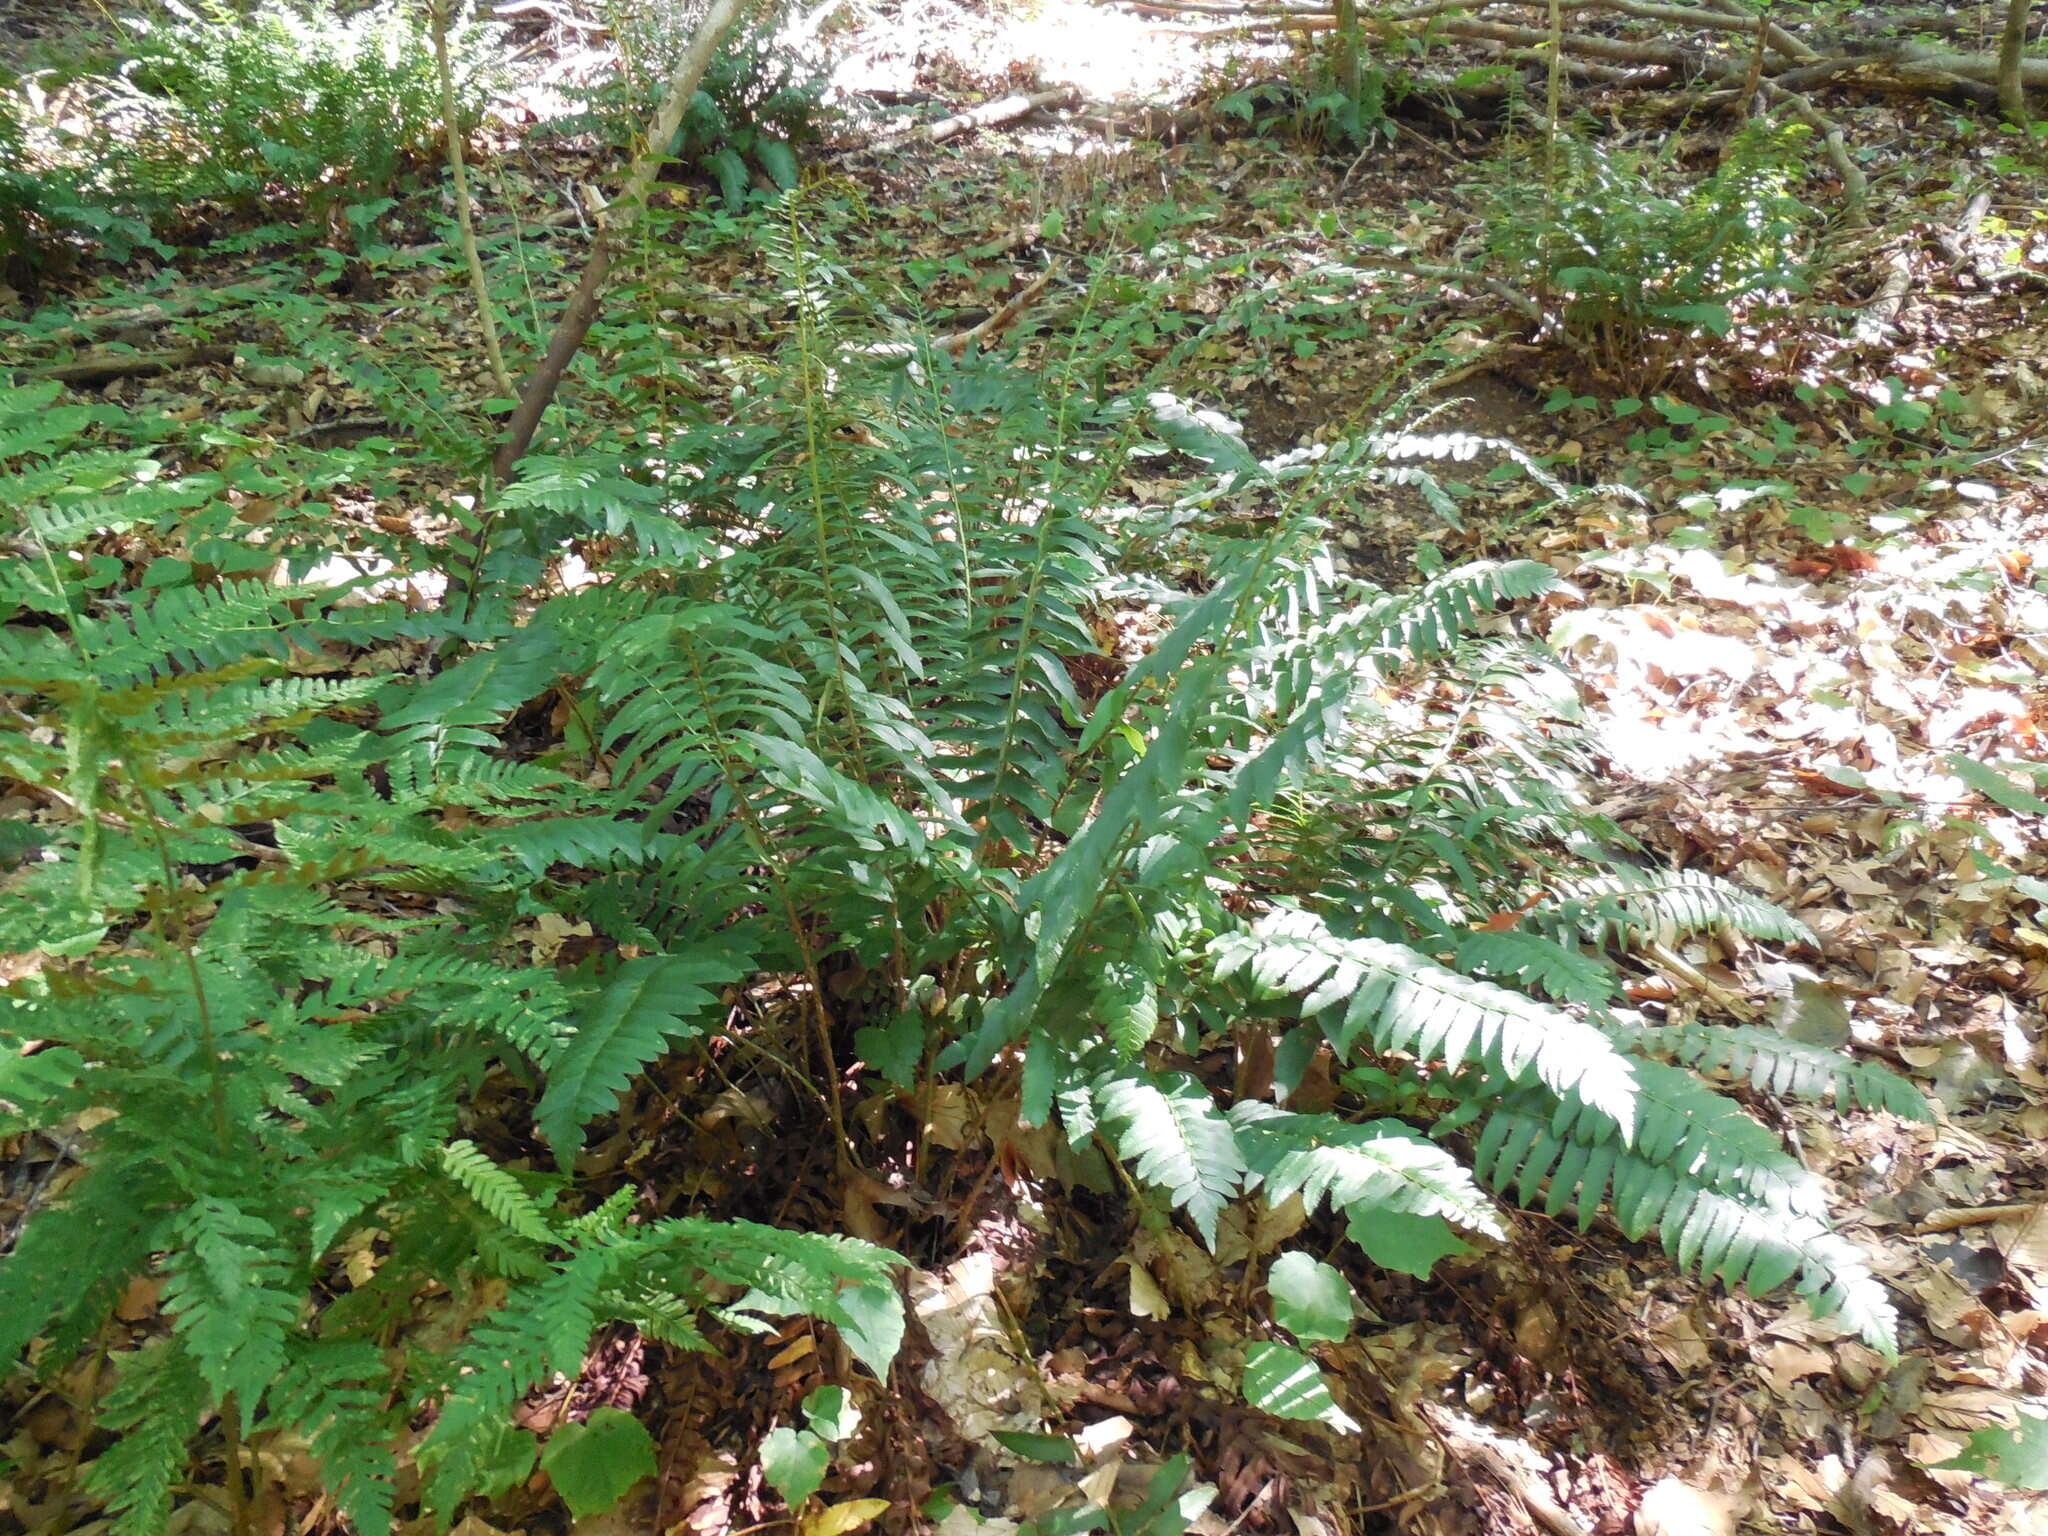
x=757 y=835
x=806 y=341
x=239 y=1514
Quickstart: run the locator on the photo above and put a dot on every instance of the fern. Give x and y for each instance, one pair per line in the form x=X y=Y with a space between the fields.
x=155 y=1401
x=1362 y=1170
x=1177 y=1138
x=647 y=1004
x=1399 y=1000
x=1739 y=1212
x=332 y=1394
x=1787 y=1068
x=498 y=1192
x=841 y=718
x=1623 y=905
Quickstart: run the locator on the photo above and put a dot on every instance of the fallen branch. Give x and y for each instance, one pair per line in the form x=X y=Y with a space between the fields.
x=2002 y=77
x=1000 y=321
x=340 y=426
x=127 y=365
x=988 y=115
x=559 y=17
x=1955 y=1219
x=1514 y=297
x=1524 y=1485
x=1879 y=318
x=1855 y=185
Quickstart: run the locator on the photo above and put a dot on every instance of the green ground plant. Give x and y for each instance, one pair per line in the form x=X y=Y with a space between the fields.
x=845 y=714
x=761 y=103
x=1631 y=270
x=294 y=107
x=48 y=201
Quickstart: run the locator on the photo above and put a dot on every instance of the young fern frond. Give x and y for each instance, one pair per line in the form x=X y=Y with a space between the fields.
x=1176 y=1137
x=1361 y=1169
x=1624 y=906
x=333 y=1394
x=156 y=1399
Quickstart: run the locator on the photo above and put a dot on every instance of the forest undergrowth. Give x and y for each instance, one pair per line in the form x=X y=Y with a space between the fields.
x=1084 y=834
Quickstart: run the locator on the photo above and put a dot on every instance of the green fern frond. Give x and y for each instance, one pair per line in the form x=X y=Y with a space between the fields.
x=1681 y=1127
x=231 y=1298
x=158 y=1397
x=649 y=1004
x=1723 y=1197
x=542 y=1329
x=1380 y=1165
x=1564 y=971
x=497 y=1191
x=1403 y=1001
x=1787 y=1068
x=1624 y=906
x=1169 y=1127
x=194 y=628
x=335 y=1395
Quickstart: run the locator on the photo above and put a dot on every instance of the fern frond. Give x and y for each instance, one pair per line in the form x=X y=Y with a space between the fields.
x=1723 y=1197
x=1168 y=1125
x=1682 y=1130
x=1566 y=972
x=231 y=1299
x=1380 y=1165
x=649 y=1004
x=156 y=1403
x=1403 y=1001
x=1787 y=1068
x=542 y=1329
x=497 y=1191
x=1624 y=906
x=194 y=628
x=335 y=1394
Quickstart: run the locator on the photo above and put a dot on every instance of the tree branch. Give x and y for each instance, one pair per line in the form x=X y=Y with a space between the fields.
x=582 y=309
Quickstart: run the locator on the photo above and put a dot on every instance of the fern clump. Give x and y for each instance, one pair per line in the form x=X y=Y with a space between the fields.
x=1628 y=267
x=237 y=977
x=324 y=103
x=844 y=716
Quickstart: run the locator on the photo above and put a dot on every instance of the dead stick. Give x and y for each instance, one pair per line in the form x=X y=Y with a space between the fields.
x=1950 y=1221
x=582 y=311
x=130 y=365
x=1522 y=303
x=987 y=115
x=1001 y=320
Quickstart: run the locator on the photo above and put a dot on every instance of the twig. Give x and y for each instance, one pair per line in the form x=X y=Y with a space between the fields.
x=1518 y=300
x=1855 y=185
x=582 y=308
x=315 y=429
x=1983 y=1215
x=1000 y=321
x=458 y=173
x=128 y=365
x=1534 y=1497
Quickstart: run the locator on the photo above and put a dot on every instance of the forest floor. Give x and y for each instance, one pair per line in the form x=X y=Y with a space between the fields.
x=1809 y=607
